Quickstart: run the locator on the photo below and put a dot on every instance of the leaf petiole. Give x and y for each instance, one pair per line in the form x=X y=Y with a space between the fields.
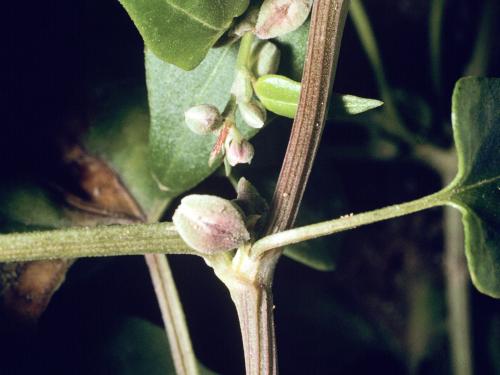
x=346 y=222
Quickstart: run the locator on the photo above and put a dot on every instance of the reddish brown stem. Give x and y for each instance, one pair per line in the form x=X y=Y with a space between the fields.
x=327 y=24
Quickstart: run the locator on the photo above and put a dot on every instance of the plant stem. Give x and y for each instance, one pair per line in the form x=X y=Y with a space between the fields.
x=457 y=293
x=478 y=64
x=172 y=314
x=435 y=35
x=394 y=124
x=174 y=320
x=254 y=304
x=244 y=51
x=457 y=285
x=254 y=300
x=323 y=48
x=346 y=222
x=93 y=242
x=455 y=264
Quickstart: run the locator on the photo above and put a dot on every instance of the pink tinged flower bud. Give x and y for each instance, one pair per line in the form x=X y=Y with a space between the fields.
x=239 y=152
x=210 y=224
x=203 y=119
x=253 y=113
x=278 y=17
x=266 y=58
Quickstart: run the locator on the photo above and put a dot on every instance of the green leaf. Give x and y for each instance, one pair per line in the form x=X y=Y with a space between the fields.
x=119 y=135
x=26 y=206
x=135 y=346
x=476 y=189
x=293 y=48
x=280 y=95
x=180 y=157
x=181 y=32
x=316 y=254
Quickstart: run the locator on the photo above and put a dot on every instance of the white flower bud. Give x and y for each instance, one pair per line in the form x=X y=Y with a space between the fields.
x=242 y=87
x=253 y=113
x=210 y=224
x=203 y=119
x=265 y=59
x=239 y=152
x=278 y=17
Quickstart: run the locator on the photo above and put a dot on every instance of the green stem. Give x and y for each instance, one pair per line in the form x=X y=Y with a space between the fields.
x=394 y=124
x=244 y=51
x=346 y=222
x=478 y=64
x=457 y=293
x=457 y=286
x=174 y=320
x=173 y=315
x=93 y=242
x=435 y=39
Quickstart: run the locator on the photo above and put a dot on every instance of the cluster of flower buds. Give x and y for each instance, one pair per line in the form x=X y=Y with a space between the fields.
x=275 y=18
x=265 y=57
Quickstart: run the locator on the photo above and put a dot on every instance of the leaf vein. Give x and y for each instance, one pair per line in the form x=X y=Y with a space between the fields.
x=194 y=18
x=476 y=185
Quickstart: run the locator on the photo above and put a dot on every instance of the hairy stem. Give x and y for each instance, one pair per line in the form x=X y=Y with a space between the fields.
x=173 y=316
x=254 y=303
x=93 y=242
x=323 y=48
x=346 y=222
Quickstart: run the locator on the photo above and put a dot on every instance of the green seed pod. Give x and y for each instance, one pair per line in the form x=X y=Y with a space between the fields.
x=280 y=95
x=278 y=17
x=210 y=224
x=203 y=119
x=253 y=113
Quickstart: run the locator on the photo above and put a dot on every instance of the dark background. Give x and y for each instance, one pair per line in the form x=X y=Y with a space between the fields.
x=353 y=320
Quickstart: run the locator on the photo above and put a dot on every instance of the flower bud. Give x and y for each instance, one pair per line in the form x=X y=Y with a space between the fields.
x=278 y=17
x=210 y=224
x=249 y=199
x=266 y=58
x=247 y=24
x=253 y=113
x=239 y=152
x=203 y=119
x=242 y=87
